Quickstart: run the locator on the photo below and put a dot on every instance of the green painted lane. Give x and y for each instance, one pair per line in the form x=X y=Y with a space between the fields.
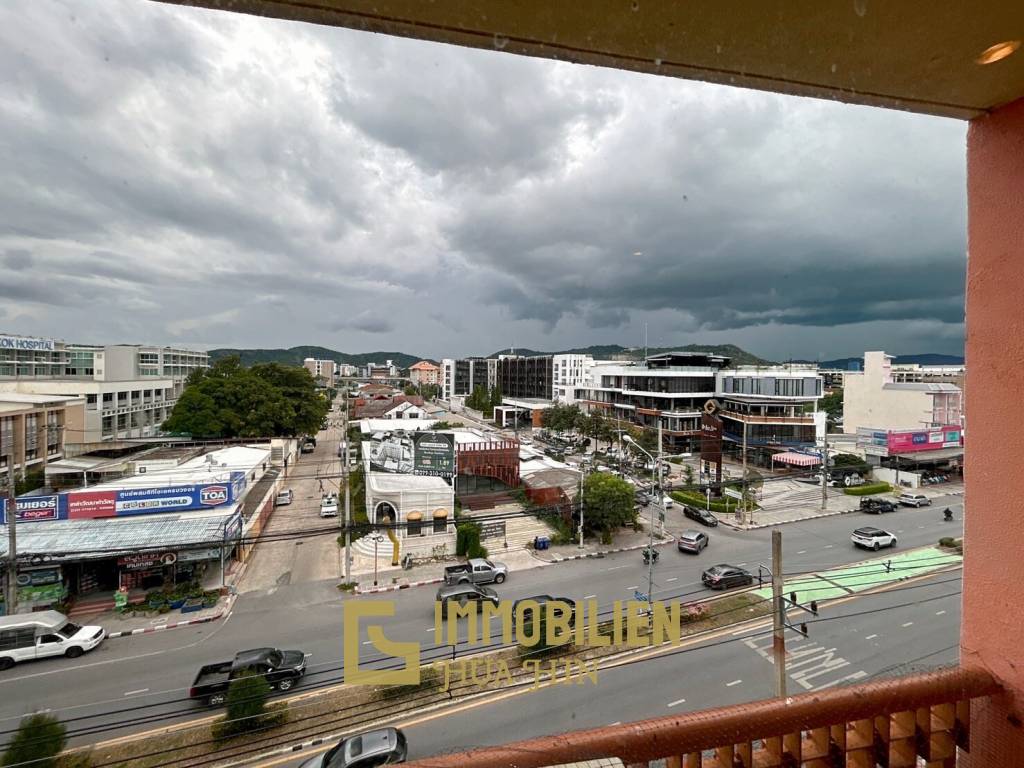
x=870 y=574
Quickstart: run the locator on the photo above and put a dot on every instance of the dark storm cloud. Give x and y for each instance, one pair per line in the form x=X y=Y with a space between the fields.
x=219 y=179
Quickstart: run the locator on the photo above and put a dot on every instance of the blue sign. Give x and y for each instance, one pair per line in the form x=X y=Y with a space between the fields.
x=919 y=438
x=638 y=595
x=31 y=509
x=233 y=528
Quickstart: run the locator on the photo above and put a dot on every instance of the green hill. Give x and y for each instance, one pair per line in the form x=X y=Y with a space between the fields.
x=295 y=356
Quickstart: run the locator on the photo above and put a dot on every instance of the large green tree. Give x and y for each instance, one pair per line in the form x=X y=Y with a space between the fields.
x=229 y=400
x=607 y=502
x=40 y=738
x=562 y=418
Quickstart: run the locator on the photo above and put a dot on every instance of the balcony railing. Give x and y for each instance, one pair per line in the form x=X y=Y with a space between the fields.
x=890 y=722
x=760 y=418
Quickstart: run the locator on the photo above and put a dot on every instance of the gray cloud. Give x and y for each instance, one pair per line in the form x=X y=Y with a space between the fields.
x=209 y=178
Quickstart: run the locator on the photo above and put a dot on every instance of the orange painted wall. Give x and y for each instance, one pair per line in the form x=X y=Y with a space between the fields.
x=992 y=636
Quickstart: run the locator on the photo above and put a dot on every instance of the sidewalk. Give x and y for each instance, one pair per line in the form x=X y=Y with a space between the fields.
x=118 y=625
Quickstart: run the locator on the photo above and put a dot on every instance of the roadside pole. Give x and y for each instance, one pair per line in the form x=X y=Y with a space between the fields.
x=657 y=473
x=743 y=501
x=348 y=494
x=583 y=477
x=778 y=615
x=12 y=543
x=824 y=470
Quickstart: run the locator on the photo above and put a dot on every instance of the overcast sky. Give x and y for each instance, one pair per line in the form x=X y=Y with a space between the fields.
x=181 y=176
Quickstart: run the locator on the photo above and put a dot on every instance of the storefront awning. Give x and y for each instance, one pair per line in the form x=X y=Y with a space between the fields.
x=796 y=459
x=926 y=457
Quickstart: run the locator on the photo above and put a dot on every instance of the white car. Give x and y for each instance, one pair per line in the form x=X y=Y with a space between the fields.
x=329 y=505
x=873 y=538
x=27 y=636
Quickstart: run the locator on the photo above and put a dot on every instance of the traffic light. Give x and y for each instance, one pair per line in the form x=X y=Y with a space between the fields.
x=707 y=467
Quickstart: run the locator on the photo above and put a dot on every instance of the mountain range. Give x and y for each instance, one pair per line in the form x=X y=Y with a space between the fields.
x=295 y=356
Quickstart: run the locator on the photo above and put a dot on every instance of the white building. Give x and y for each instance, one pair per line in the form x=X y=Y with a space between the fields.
x=406 y=410
x=320 y=369
x=569 y=373
x=129 y=389
x=875 y=399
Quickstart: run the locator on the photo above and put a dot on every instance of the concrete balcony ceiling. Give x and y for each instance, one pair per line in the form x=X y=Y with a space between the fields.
x=915 y=55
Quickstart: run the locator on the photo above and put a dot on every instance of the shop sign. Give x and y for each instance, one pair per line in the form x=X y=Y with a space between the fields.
x=192 y=555
x=233 y=528
x=38 y=577
x=433 y=454
x=492 y=530
x=46 y=593
x=924 y=440
x=146 y=560
x=31 y=509
x=21 y=342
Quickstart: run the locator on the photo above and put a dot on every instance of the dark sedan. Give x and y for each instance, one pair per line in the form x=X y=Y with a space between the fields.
x=724 y=576
x=702 y=516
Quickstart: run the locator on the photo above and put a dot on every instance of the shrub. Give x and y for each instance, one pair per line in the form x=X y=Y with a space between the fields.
x=38 y=741
x=867 y=489
x=722 y=506
x=606 y=537
x=430 y=677
x=947 y=541
x=467 y=539
x=247 y=708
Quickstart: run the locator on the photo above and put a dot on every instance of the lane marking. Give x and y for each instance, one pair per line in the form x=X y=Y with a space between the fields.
x=633 y=587
x=677 y=701
x=741 y=564
x=132 y=693
x=907 y=624
x=829 y=546
x=674 y=578
x=939 y=613
x=871 y=637
x=734 y=682
x=617 y=722
x=430 y=629
x=588 y=597
x=802 y=552
x=617 y=567
x=367 y=642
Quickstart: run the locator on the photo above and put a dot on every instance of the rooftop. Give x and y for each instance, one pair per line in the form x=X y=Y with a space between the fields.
x=923 y=386
x=389 y=481
x=213 y=467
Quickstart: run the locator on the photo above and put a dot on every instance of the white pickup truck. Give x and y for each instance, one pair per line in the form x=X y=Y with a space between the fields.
x=329 y=505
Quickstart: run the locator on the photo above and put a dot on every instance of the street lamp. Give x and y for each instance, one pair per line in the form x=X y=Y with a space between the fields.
x=657 y=474
x=377 y=539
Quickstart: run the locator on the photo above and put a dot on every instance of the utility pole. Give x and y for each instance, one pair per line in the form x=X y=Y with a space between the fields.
x=743 y=514
x=778 y=615
x=348 y=494
x=12 y=542
x=824 y=470
x=657 y=481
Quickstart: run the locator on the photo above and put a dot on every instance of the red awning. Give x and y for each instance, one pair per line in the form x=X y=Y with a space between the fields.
x=796 y=459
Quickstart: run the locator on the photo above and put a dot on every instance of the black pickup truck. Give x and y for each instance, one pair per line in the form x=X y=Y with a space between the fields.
x=282 y=669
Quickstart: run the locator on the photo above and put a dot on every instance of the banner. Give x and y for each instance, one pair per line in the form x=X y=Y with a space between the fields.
x=434 y=454
x=924 y=440
x=33 y=509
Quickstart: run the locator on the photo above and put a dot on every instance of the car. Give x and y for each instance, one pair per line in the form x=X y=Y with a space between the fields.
x=876 y=506
x=541 y=600
x=329 y=505
x=28 y=636
x=383 y=746
x=914 y=500
x=873 y=538
x=284 y=497
x=464 y=593
x=641 y=498
x=725 y=576
x=308 y=447
x=702 y=516
x=667 y=502
x=692 y=541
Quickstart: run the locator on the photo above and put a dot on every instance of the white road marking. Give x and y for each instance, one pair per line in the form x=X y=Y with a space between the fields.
x=741 y=564
x=871 y=637
x=633 y=587
x=939 y=613
x=734 y=682
x=907 y=624
x=802 y=552
x=677 y=701
x=588 y=597
x=430 y=629
x=617 y=722
x=617 y=567
x=829 y=546
x=674 y=578
x=132 y=693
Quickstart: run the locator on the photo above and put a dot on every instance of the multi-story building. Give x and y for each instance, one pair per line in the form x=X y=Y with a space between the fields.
x=875 y=399
x=461 y=376
x=33 y=428
x=129 y=390
x=424 y=372
x=569 y=373
x=526 y=377
x=670 y=390
x=320 y=370
x=345 y=370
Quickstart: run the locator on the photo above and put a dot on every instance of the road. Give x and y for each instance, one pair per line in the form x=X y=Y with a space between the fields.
x=154 y=671
x=852 y=641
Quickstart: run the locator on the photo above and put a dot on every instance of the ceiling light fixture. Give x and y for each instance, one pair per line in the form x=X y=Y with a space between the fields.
x=997 y=52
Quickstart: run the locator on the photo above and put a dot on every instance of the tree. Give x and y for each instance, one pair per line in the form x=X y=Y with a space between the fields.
x=228 y=400
x=832 y=405
x=562 y=418
x=607 y=502
x=410 y=389
x=40 y=738
x=246 y=706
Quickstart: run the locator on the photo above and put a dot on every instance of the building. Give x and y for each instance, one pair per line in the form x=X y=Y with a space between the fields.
x=424 y=372
x=321 y=370
x=33 y=429
x=526 y=377
x=405 y=410
x=462 y=376
x=671 y=389
x=569 y=372
x=129 y=390
x=381 y=371
x=875 y=399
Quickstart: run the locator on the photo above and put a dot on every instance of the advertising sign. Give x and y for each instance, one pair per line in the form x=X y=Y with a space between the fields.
x=31 y=509
x=88 y=504
x=20 y=342
x=924 y=440
x=233 y=528
x=146 y=560
x=492 y=530
x=434 y=454
x=38 y=577
x=191 y=555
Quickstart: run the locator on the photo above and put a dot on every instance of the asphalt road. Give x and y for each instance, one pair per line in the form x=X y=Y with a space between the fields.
x=860 y=639
x=104 y=690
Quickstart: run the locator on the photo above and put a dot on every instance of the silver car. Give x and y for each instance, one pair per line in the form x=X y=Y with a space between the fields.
x=873 y=538
x=384 y=746
x=693 y=541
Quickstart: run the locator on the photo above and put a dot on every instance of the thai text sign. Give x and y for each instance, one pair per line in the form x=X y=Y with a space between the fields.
x=924 y=440
x=434 y=454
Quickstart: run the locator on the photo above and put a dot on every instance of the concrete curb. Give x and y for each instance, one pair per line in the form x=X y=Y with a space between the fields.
x=785 y=522
x=604 y=552
x=177 y=624
x=394 y=587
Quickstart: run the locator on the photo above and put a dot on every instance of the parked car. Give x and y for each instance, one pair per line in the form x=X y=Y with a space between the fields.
x=667 y=502
x=702 y=516
x=281 y=669
x=463 y=593
x=29 y=636
x=876 y=506
x=284 y=498
x=542 y=600
x=308 y=447
x=641 y=498
x=873 y=538
x=329 y=505
x=477 y=570
x=692 y=541
x=914 y=500
x=383 y=746
x=725 y=576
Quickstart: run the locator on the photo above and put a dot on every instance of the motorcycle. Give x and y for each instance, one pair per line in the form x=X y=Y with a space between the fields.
x=947 y=514
x=650 y=555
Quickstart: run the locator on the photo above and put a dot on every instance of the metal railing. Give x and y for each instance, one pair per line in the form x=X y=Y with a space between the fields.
x=887 y=722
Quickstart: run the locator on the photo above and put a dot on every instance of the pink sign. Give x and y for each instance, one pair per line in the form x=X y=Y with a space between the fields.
x=924 y=440
x=87 y=504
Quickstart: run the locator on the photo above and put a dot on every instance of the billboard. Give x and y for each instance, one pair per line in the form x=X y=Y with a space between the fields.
x=924 y=440
x=433 y=454
x=82 y=505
